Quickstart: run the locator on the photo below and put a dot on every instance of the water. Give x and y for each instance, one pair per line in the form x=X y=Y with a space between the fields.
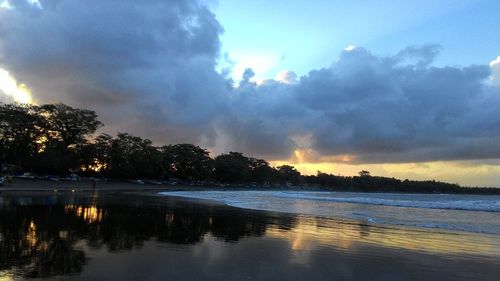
x=145 y=236
x=471 y=213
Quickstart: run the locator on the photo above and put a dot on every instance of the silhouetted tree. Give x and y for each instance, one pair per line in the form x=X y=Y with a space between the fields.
x=68 y=125
x=133 y=157
x=260 y=171
x=187 y=161
x=22 y=133
x=68 y=133
x=232 y=167
x=288 y=173
x=364 y=173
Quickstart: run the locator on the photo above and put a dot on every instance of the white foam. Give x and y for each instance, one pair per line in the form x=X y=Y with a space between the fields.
x=428 y=201
x=490 y=205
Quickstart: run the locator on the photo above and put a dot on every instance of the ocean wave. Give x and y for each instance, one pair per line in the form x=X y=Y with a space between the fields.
x=426 y=201
x=488 y=205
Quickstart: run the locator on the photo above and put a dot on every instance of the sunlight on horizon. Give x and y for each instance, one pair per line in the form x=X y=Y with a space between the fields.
x=467 y=173
x=10 y=87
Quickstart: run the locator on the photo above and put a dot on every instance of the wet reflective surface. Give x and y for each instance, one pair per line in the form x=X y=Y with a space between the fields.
x=130 y=236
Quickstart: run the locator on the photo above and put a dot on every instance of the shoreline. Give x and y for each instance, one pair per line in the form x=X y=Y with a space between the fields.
x=20 y=184
x=67 y=188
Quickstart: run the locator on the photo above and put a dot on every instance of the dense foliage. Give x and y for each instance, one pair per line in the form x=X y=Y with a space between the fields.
x=56 y=139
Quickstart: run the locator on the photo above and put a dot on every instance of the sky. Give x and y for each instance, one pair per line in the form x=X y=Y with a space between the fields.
x=409 y=89
x=305 y=35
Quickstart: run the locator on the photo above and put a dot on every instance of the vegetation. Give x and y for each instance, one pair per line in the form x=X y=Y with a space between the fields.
x=56 y=139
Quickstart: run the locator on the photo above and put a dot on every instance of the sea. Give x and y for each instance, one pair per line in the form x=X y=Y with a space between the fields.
x=468 y=213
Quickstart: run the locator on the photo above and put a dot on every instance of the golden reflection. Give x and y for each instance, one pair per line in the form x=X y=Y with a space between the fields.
x=5 y=277
x=311 y=233
x=63 y=234
x=31 y=236
x=169 y=217
x=90 y=214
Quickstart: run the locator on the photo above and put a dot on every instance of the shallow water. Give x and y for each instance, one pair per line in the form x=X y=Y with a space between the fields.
x=127 y=236
x=471 y=213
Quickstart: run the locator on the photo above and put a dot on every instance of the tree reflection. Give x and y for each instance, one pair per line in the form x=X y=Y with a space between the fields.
x=30 y=242
x=43 y=240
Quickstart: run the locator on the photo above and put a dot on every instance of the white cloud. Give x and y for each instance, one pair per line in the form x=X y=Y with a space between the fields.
x=287 y=77
x=35 y=3
x=12 y=90
x=349 y=48
x=6 y=5
x=495 y=71
x=261 y=63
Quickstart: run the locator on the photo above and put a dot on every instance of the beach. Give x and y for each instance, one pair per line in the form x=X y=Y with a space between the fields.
x=19 y=184
x=167 y=140
x=127 y=231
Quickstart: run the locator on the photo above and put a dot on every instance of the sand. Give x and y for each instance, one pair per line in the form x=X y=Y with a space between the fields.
x=85 y=185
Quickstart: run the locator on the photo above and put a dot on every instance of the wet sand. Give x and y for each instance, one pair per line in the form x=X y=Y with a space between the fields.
x=84 y=185
x=121 y=232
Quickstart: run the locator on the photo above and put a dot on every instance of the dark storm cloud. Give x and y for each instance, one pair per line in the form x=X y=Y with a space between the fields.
x=148 y=67
x=145 y=66
x=380 y=109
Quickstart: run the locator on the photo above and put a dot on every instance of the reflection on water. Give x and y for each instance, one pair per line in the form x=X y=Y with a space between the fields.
x=42 y=238
x=52 y=235
x=310 y=232
x=89 y=214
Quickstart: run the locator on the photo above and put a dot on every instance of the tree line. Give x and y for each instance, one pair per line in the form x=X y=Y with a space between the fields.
x=56 y=139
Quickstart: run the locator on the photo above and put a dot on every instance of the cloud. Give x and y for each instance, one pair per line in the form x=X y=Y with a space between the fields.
x=495 y=71
x=379 y=109
x=35 y=3
x=419 y=56
x=149 y=68
x=11 y=91
x=287 y=77
x=260 y=63
x=5 y=4
x=137 y=63
x=349 y=48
